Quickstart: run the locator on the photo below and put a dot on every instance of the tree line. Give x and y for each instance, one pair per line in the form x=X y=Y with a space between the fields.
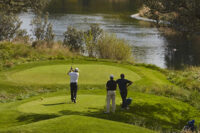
x=94 y=42
x=14 y=6
x=183 y=15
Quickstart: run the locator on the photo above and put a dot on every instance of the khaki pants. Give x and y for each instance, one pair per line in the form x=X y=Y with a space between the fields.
x=111 y=95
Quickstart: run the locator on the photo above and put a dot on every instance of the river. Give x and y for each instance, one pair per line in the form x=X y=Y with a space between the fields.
x=114 y=16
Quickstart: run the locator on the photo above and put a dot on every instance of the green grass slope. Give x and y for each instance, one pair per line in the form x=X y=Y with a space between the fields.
x=77 y=124
x=91 y=72
x=154 y=112
x=57 y=74
x=161 y=110
x=36 y=114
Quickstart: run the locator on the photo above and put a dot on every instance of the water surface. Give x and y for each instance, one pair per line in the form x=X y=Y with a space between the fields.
x=114 y=16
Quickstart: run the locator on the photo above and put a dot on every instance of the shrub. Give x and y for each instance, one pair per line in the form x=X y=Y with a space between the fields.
x=74 y=39
x=8 y=64
x=21 y=37
x=57 y=51
x=49 y=35
x=42 y=29
x=110 y=47
x=9 y=25
x=91 y=37
x=97 y=43
x=11 y=54
x=188 y=79
x=6 y=51
x=1 y=65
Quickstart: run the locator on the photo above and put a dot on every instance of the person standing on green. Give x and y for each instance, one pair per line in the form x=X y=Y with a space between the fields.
x=74 y=75
x=123 y=84
x=111 y=87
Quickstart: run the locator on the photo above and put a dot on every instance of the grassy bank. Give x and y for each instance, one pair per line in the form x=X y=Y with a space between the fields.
x=40 y=77
x=40 y=91
x=188 y=79
x=34 y=94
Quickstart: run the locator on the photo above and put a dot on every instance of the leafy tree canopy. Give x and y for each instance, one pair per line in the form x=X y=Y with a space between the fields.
x=14 y=6
x=183 y=15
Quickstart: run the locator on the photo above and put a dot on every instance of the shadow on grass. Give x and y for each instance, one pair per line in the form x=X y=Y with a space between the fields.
x=155 y=117
x=54 y=104
x=70 y=112
x=29 y=118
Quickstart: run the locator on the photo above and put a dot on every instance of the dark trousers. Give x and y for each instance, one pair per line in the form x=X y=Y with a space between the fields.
x=123 y=96
x=74 y=88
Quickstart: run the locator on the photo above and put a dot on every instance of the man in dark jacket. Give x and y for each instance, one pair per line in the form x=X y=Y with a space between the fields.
x=111 y=87
x=123 y=84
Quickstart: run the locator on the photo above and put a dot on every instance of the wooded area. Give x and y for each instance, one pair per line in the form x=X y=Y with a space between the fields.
x=182 y=15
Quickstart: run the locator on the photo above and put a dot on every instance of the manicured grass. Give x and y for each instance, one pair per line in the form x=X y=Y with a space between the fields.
x=30 y=79
x=92 y=72
x=57 y=74
x=55 y=105
x=38 y=114
x=164 y=111
x=152 y=111
x=78 y=124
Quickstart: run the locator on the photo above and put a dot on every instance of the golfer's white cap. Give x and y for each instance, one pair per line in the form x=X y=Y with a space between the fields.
x=76 y=69
x=111 y=76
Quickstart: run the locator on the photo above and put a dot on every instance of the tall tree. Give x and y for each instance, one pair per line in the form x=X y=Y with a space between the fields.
x=182 y=15
x=9 y=26
x=14 y=6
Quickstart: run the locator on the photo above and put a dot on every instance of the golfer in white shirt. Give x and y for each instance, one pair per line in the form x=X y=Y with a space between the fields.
x=74 y=75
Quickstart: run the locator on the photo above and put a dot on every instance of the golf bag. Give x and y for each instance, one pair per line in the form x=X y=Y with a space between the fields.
x=190 y=126
x=128 y=101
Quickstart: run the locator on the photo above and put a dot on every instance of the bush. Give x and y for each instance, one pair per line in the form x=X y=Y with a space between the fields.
x=42 y=29
x=187 y=79
x=21 y=37
x=97 y=43
x=9 y=25
x=1 y=65
x=57 y=51
x=110 y=47
x=11 y=54
x=6 y=51
x=91 y=37
x=74 y=39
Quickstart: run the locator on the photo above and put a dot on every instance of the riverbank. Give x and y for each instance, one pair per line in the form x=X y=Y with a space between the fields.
x=181 y=50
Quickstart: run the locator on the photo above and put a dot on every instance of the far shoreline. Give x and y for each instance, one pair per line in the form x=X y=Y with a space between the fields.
x=138 y=17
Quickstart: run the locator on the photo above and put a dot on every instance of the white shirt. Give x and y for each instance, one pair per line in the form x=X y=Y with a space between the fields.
x=74 y=77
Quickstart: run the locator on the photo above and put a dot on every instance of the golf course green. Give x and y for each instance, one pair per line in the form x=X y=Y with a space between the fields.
x=52 y=111
x=57 y=74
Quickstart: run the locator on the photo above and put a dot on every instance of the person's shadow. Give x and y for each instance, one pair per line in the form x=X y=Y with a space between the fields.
x=54 y=104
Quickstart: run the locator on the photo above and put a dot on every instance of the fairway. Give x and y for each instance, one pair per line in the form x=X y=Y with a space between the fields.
x=57 y=74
